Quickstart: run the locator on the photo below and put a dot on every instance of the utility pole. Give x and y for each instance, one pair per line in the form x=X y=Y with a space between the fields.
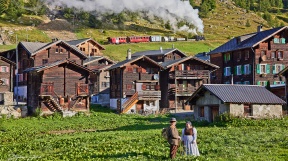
x=17 y=67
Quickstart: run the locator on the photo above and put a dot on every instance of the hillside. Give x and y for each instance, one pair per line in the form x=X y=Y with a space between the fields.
x=222 y=23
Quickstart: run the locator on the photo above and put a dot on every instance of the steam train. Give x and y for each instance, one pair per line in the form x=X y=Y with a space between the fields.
x=139 y=39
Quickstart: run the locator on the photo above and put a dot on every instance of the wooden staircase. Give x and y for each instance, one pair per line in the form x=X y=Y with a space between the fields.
x=129 y=103
x=52 y=104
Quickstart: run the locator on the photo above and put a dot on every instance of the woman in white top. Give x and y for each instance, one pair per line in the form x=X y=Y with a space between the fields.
x=189 y=136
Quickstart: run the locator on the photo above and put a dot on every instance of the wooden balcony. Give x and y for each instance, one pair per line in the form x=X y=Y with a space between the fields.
x=47 y=88
x=182 y=91
x=149 y=95
x=189 y=74
x=81 y=89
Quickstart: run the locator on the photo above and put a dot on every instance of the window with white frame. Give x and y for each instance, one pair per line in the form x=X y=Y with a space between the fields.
x=227 y=71
x=277 y=68
x=262 y=83
x=263 y=68
x=4 y=69
x=273 y=54
x=277 y=82
x=247 y=69
x=238 y=70
x=276 y=40
x=280 y=54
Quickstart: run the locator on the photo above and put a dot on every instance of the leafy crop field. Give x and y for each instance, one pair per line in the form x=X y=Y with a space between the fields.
x=104 y=135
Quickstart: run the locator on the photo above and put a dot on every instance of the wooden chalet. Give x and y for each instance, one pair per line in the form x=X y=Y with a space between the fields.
x=181 y=78
x=58 y=86
x=99 y=87
x=211 y=100
x=88 y=46
x=33 y=54
x=254 y=58
x=7 y=69
x=134 y=85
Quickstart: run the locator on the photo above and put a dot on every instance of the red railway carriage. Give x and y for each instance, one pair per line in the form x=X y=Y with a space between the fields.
x=117 y=40
x=136 y=39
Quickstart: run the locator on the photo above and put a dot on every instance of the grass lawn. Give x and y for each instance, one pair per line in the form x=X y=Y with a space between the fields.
x=104 y=135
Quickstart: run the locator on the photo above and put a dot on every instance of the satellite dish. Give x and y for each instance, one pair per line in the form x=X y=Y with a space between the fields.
x=156 y=76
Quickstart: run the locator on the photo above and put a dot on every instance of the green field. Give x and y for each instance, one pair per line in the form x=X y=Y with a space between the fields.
x=104 y=135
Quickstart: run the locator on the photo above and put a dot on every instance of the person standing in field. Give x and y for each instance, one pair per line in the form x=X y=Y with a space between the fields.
x=173 y=138
x=189 y=136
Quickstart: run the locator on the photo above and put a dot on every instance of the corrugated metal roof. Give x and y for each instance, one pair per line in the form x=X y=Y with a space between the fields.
x=155 y=52
x=229 y=93
x=249 y=40
x=133 y=59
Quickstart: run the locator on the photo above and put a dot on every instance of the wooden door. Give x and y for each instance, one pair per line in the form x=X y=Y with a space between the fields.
x=214 y=113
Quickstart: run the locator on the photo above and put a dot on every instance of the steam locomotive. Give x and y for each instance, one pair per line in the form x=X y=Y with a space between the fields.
x=139 y=39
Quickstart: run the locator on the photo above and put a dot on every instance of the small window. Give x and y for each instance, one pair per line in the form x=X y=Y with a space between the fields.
x=262 y=83
x=44 y=61
x=272 y=54
x=134 y=69
x=247 y=110
x=61 y=50
x=246 y=55
x=147 y=103
x=201 y=111
x=227 y=71
x=263 y=68
x=280 y=54
x=4 y=82
x=56 y=50
x=283 y=41
x=227 y=57
x=277 y=68
x=153 y=103
x=128 y=86
x=247 y=69
x=4 y=69
x=276 y=41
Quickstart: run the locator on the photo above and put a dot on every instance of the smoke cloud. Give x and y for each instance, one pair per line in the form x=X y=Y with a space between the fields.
x=168 y=10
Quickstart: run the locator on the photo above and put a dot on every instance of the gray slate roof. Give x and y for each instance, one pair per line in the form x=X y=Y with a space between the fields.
x=155 y=52
x=250 y=40
x=56 y=63
x=80 y=41
x=229 y=93
x=168 y=64
x=31 y=47
x=203 y=56
x=133 y=59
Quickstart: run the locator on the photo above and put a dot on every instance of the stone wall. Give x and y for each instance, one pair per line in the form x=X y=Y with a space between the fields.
x=13 y=111
x=267 y=110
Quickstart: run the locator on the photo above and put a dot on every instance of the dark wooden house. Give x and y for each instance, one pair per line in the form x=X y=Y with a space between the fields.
x=254 y=58
x=134 y=85
x=181 y=78
x=58 y=86
x=99 y=86
x=211 y=100
x=7 y=68
x=88 y=46
x=33 y=54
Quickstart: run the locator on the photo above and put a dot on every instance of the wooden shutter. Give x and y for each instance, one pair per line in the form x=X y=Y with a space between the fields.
x=235 y=70
x=283 y=66
x=258 y=68
x=249 y=69
x=139 y=70
x=7 y=69
x=157 y=87
x=273 y=69
x=267 y=68
x=179 y=66
x=242 y=69
x=225 y=71
x=283 y=40
x=225 y=58
x=258 y=83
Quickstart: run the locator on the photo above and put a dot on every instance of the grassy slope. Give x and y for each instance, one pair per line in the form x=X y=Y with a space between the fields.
x=134 y=137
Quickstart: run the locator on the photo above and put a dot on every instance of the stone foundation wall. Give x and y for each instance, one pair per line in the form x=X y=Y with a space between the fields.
x=13 y=111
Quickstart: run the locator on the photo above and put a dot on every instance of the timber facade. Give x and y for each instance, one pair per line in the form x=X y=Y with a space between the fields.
x=7 y=69
x=255 y=58
x=134 y=85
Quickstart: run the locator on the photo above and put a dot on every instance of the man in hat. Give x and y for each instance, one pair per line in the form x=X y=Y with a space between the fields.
x=173 y=138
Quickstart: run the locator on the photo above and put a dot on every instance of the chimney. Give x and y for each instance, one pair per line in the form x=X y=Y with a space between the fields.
x=54 y=39
x=172 y=46
x=259 y=28
x=161 y=50
x=128 y=54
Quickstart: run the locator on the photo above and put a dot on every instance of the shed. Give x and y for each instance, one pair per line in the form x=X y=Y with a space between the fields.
x=210 y=100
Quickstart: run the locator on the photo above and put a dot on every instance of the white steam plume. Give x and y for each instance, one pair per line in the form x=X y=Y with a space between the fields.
x=172 y=10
